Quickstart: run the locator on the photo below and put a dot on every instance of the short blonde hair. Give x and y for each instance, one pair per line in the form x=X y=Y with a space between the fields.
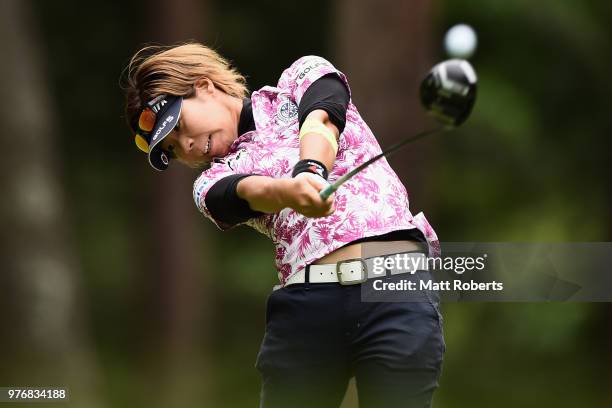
x=155 y=70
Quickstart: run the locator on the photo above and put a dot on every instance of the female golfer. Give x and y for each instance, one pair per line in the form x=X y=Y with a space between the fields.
x=264 y=159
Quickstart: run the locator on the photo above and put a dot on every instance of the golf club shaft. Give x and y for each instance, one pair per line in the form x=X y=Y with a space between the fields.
x=329 y=190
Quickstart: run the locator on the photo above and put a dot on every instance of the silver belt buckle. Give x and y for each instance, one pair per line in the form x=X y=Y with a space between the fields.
x=352 y=271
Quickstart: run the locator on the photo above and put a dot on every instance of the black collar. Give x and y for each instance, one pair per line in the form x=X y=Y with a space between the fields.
x=246 y=122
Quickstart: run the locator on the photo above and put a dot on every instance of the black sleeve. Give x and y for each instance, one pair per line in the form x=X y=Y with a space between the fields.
x=328 y=93
x=224 y=204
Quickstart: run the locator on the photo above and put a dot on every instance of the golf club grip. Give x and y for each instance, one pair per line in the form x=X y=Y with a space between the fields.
x=329 y=190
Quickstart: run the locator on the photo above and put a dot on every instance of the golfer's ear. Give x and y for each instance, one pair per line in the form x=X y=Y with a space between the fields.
x=204 y=84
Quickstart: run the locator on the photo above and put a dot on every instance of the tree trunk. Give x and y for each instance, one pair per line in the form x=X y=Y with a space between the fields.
x=43 y=340
x=181 y=300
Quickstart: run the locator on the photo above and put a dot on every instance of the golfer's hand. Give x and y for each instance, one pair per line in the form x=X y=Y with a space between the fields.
x=302 y=195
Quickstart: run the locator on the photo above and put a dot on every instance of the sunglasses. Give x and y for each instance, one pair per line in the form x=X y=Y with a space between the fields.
x=146 y=122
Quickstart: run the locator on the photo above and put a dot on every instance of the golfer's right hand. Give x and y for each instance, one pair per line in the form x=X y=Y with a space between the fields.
x=302 y=195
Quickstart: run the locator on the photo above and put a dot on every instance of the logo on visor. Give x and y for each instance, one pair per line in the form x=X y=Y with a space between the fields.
x=163 y=125
x=159 y=105
x=164 y=158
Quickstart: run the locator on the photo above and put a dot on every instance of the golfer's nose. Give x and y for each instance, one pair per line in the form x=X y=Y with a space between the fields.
x=187 y=144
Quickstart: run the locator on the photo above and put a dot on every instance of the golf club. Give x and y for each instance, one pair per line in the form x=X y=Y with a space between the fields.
x=448 y=92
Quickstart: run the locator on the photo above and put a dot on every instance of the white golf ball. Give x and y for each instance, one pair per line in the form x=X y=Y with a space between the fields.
x=460 y=41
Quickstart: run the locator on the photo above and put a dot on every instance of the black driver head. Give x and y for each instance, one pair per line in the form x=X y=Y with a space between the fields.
x=449 y=91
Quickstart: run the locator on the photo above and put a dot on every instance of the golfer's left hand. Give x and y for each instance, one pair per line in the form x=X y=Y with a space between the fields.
x=304 y=196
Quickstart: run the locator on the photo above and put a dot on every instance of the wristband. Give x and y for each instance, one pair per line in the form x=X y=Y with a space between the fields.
x=310 y=166
x=314 y=126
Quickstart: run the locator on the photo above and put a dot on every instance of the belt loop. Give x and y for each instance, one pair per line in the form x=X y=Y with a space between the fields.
x=307 y=277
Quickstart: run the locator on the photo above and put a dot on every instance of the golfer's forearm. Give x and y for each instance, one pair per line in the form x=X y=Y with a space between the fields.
x=316 y=146
x=264 y=194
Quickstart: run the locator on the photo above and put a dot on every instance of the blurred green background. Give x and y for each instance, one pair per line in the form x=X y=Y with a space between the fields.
x=114 y=285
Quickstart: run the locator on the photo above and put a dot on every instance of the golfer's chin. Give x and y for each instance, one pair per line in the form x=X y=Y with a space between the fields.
x=205 y=160
x=201 y=163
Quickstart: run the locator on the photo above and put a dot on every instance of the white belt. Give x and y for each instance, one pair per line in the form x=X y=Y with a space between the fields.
x=354 y=271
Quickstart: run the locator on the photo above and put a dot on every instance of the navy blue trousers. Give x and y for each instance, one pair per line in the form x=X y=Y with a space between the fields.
x=319 y=335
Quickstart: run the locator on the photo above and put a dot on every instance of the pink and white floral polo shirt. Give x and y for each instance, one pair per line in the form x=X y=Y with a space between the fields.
x=374 y=202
